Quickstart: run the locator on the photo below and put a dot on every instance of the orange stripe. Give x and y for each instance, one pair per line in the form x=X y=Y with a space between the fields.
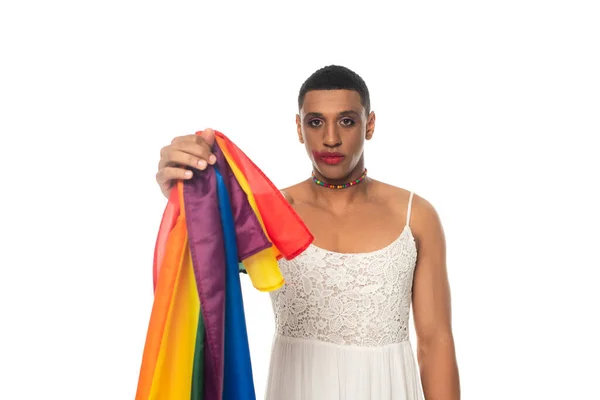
x=163 y=298
x=174 y=369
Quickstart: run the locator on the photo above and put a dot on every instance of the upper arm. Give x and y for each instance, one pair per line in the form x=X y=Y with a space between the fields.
x=431 y=289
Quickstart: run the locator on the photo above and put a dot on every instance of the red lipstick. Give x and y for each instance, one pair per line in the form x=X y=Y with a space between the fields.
x=329 y=157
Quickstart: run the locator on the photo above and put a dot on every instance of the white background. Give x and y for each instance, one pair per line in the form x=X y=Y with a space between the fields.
x=490 y=110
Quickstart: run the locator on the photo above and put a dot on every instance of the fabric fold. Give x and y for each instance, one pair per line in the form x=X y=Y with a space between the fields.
x=228 y=217
x=238 y=383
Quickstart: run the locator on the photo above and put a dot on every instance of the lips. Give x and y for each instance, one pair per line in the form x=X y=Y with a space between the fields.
x=329 y=158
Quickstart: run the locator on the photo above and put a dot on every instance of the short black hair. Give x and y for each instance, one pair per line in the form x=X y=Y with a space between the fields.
x=336 y=77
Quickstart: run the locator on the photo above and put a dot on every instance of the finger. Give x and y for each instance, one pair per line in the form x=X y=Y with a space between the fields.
x=198 y=149
x=186 y=159
x=206 y=135
x=197 y=145
x=209 y=136
x=184 y=138
x=169 y=174
x=193 y=144
x=207 y=153
x=187 y=153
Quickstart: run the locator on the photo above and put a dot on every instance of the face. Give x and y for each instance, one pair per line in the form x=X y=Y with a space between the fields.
x=333 y=126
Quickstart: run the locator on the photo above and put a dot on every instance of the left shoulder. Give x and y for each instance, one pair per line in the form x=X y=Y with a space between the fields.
x=395 y=197
x=398 y=197
x=423 y=219
x=423 y=209
x=426 y=224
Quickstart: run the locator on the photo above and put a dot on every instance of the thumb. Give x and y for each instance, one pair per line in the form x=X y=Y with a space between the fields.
x=209 y=136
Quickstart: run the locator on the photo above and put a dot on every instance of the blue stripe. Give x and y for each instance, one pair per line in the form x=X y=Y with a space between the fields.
x=238 y=383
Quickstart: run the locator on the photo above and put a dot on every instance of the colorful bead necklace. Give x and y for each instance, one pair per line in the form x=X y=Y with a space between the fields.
x=345 y=185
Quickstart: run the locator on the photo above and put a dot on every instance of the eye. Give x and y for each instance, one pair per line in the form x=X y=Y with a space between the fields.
x=314 y=123
x=347 y=122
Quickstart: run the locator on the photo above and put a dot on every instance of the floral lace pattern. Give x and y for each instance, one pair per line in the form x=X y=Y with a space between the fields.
x=358 y=299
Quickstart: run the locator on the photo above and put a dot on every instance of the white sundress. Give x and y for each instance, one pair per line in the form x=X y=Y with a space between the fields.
x=342 y=325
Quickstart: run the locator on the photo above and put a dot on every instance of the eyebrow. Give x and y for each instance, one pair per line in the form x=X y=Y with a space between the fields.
x=341 y=114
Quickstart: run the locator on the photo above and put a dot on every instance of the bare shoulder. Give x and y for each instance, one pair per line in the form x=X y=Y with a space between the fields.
x=287 y=196
x=423 y=210
x=396 y=198
x=424 y=219
x=297 y=193
x=425 y=223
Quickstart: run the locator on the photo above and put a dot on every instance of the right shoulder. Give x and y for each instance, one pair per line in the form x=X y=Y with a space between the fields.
x=298 y=193
x=287 y=196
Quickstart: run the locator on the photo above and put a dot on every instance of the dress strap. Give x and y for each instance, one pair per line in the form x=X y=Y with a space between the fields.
x=409 y=208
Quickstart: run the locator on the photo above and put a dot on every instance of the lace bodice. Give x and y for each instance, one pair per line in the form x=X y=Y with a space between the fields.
x=358 y=299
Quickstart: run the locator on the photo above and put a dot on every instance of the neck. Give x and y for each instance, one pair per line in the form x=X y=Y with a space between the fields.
x=341 y=198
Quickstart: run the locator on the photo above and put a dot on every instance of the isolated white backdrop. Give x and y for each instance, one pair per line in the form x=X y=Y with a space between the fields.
x=487 y=109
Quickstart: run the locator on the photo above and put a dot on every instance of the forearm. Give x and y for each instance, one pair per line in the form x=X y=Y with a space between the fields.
x=439 y=370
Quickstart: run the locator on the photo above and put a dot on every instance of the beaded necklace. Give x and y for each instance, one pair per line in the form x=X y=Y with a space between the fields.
x=345 y=185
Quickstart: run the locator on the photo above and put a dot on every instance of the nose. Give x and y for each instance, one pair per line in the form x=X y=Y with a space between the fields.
x=331 y=137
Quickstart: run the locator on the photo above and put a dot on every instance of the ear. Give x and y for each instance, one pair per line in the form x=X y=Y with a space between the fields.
x=299 y=128
x=370 y=126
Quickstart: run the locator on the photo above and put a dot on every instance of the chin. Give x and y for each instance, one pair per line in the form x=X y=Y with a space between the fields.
x=334 y=172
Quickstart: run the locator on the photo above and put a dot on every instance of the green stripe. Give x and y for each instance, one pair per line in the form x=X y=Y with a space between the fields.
x=198 y=374
x=242 y=269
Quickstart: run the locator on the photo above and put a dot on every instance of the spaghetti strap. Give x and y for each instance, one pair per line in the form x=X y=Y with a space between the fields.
x=409 y=209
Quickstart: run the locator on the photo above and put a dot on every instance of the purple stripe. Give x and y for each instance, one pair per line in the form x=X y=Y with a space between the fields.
x=250 y=237
x=208 y=258
x=207 y=248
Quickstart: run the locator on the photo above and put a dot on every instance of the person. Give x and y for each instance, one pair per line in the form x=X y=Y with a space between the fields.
x=342 y=317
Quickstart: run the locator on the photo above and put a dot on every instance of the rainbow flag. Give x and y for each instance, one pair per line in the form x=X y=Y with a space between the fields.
x=226 y=219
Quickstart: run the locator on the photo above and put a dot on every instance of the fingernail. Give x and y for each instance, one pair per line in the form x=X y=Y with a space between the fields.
x=188 y=174
x=202 y=164
x=212 y=159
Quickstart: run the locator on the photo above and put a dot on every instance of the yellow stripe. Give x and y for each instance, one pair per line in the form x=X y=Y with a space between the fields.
x=173 y=374
x=262 y=267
